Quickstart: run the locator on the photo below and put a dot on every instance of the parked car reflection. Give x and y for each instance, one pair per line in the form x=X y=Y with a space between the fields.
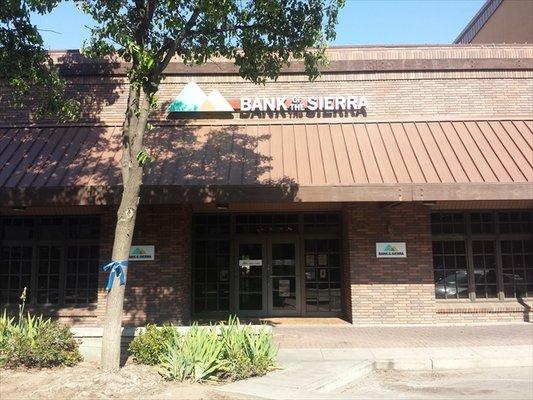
x=455 y=283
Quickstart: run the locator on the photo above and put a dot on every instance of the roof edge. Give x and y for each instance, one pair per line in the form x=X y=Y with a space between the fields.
x=119 y=68
x=477 y=22
x=254 y=121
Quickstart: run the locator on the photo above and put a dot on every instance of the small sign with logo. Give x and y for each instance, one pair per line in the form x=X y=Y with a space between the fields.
x=142 y=253
x=391 y=250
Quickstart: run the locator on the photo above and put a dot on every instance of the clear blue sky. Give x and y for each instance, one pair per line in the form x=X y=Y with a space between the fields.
x=360 y=22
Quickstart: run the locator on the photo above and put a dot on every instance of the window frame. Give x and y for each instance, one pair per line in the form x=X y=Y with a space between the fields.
x=469 y=237
x=64 y=243
x=332 y=231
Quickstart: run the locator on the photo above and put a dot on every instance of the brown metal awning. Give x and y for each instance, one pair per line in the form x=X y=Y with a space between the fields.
x=265 y=161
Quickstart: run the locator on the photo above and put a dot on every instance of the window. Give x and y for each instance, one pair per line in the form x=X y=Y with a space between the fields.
x=321 y=223
x=81 y=277
x=517 y=266
x=516 y=222
x=211 y=262
x=449 y=263
x=484 y=260
x=322 y=275
x=447 y=223
x=481 y=222
x=266 y=223
x=483 y=255
x=232 y=249
x=15 y=272
x=211 y=224
x=55 y=258
x=211 y=275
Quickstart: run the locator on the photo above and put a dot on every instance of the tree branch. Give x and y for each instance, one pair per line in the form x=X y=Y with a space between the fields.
x=172 y=46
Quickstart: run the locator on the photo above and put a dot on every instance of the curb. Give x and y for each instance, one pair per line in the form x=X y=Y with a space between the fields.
x=294 y=382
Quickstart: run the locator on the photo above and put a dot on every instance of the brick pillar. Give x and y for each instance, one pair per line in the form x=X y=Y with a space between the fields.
x=157 y=291
x=385 y=290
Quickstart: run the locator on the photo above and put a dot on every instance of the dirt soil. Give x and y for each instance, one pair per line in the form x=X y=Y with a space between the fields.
x=88 y=381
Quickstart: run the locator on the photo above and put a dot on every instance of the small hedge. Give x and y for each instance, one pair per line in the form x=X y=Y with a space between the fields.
x=35 y=342
x=148 y=347
x=228 y=351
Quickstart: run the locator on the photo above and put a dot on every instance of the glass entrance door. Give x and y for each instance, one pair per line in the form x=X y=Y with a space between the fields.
x=268 y=277
x=252 y=268
x=283 y=282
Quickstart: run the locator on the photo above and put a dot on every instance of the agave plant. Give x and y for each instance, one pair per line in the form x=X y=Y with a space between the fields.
x=247 y=351
x=261 y=347
x=196 y=357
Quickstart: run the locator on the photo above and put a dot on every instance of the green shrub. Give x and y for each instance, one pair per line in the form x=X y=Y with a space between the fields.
x=236 y=352
x=35 y=342
x=247 y=352
x=196 y=357
x=148 y=347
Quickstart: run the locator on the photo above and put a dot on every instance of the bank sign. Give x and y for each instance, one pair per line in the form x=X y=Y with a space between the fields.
x=391 y=250
x=193 y=99
x=142 y=253
x=296 y=103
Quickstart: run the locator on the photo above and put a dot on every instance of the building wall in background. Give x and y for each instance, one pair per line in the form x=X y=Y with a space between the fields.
x=511 y=22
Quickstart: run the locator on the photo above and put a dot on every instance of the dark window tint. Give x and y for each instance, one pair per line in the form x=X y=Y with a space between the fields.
x=211 y=278
x=447 y=223
x=481 y=222
x=516 y=222
x=15 y=272
x=49 y=266
x=211 y=224
x=58 y=255
x=484 y=258
x=81 y=274
x=517 y=267
x=321 y=223
x=450 y=269
x=266 y=223
x=322 y=275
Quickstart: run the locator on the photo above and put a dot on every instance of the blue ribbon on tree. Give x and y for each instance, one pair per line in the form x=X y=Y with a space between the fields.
x=115 y=268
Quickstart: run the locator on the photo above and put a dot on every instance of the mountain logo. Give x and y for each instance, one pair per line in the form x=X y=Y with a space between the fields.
x=390 y=248
x=193 y=99
x=139 y=252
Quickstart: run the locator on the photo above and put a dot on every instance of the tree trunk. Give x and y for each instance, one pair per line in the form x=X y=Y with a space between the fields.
x=133 y=131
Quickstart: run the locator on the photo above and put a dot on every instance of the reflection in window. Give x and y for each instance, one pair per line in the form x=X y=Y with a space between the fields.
x=484 y=268
x=449 y=266
x=500 y=245
x=250 y=259
x=322 y=275
x=517 y=267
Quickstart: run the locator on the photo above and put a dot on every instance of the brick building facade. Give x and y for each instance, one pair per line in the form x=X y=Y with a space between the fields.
x=279 y=213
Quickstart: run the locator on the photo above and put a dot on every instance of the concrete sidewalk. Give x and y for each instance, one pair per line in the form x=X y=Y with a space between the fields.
x=317 y=361
x=316 y=373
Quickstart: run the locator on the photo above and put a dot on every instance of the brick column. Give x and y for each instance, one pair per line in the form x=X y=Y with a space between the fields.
x=157 y=291
x=385 y=290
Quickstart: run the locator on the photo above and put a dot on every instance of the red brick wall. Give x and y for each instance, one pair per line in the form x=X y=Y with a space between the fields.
x=389 y=290
x=375 y=291
x=157 y=291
